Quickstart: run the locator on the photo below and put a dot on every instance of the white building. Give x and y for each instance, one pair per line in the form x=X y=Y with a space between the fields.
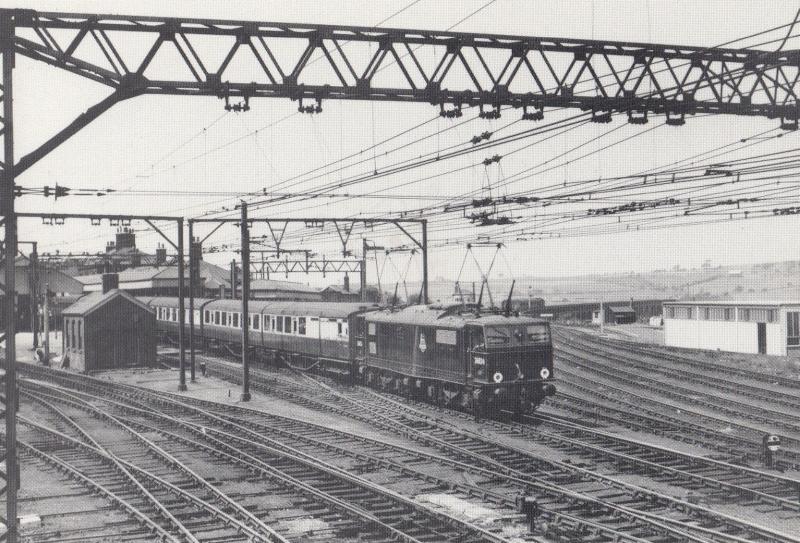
x=771 y=328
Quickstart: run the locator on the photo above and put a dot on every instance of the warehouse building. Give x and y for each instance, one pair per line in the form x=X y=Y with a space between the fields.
x=754 y=327
x=109 y=329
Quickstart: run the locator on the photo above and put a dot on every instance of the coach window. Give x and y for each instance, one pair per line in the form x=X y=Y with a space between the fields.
x=256 y=321
x=216 y=317
x=301 y=326
x=339 y=327
x=235 y=320
x=207 y=316
x=279 y=324
x=287 y=324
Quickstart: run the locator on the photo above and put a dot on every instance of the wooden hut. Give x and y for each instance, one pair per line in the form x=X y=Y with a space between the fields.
x=109 y=329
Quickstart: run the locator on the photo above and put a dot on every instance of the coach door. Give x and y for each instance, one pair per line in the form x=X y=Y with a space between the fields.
x=762 y=337
x=359 y=337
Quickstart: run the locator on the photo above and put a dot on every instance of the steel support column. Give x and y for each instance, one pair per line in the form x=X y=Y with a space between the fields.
x=245 y=301
x=33 y=288
x=363 y=273
x=425 y=298
x=193 y=262
x=181 y=309
x=10 y=474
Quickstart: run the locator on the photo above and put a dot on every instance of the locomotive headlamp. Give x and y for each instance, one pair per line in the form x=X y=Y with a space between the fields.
x=544 y=373
x=497 y=377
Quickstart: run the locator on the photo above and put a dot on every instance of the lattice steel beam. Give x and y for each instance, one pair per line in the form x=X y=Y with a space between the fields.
x=320 y=62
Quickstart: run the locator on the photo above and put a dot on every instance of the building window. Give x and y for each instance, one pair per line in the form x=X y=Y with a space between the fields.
x=744 y=314
x=670 y=312
x=793 y=328
x=728 y=313
x=72 y=333
x=66 y=333
x=770 y=315
x=689 y=313
x=707 y=313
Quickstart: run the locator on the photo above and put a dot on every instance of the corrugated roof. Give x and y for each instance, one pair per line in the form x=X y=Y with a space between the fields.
x=91 y=302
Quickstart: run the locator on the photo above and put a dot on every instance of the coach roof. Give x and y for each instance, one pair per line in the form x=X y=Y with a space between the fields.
x=301 y=309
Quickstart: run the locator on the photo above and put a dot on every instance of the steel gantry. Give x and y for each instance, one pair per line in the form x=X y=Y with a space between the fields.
x=447 y=69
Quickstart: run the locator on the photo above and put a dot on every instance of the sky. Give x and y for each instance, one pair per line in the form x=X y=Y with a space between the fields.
x=176 y=152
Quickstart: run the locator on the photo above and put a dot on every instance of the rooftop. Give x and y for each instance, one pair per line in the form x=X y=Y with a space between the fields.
x=751 y=303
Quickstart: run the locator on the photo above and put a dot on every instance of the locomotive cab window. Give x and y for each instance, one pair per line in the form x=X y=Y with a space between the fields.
x=538 y=334
x=498 y=335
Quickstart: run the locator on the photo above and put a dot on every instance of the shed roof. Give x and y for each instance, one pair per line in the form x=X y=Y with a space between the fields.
x=621 y=309
x=286 y=286
x=747 y=303
x=91 y=302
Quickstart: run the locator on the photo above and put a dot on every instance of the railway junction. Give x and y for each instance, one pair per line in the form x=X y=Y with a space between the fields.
x=261 y=355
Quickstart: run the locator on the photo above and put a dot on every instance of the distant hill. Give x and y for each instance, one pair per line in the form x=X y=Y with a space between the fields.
x=772 y=281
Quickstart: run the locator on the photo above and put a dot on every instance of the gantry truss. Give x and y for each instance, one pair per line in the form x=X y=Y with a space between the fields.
x=240 y=60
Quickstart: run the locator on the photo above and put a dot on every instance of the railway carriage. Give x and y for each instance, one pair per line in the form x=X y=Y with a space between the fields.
x=452 y=355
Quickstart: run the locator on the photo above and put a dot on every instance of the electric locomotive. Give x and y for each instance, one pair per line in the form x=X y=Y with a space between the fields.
x=458 y=356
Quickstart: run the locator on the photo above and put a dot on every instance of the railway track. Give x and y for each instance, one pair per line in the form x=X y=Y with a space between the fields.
x=612 y=384
x=769 y=393
x=386 y=514
x=482 y=447
x=688 y=385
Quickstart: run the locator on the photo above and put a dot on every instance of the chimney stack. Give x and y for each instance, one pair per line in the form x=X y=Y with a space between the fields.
x=161 y=255
x=110 y=281
x=346 y=283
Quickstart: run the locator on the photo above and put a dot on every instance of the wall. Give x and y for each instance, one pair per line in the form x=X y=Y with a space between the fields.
x=723 y=335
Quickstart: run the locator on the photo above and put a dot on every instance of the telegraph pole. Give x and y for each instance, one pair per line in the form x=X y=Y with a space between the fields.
x=245 y=299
